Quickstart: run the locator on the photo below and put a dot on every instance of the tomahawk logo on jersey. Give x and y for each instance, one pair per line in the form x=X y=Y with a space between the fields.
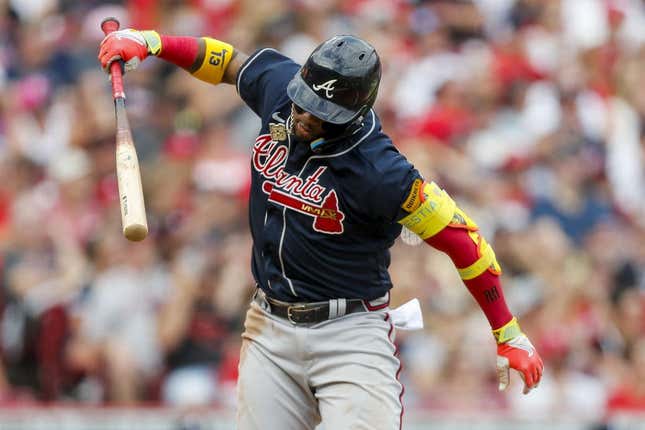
x=322 y=223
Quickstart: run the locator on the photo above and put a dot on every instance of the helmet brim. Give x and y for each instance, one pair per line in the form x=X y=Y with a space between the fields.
x=302 y=95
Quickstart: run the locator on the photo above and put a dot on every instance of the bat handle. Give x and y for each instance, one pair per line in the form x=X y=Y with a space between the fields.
x=108 y=25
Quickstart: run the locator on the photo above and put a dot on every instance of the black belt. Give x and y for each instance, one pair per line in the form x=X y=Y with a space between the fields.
x=310 y=313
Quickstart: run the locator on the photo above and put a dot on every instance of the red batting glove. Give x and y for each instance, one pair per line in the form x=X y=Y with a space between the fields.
x=130 y=46
x=515 y=351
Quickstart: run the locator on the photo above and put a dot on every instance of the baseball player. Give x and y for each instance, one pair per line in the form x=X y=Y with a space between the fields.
x=330 y=194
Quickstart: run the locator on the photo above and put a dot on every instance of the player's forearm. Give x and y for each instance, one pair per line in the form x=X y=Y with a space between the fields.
x=207 y=59
x=182 y=51
x=486 y=286
x=437 y=219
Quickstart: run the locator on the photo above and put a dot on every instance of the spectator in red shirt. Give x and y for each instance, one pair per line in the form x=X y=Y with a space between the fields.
x=449 y=119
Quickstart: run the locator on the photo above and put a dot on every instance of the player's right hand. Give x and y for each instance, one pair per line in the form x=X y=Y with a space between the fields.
x=128 y=45
x=515 y=351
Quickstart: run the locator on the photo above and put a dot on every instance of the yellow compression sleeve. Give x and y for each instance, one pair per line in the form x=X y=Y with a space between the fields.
x=432 y=210
x=217 y=55
x=431 y=215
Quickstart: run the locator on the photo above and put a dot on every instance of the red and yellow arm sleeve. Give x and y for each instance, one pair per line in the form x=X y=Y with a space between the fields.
x=203 y=57
x=435 y=217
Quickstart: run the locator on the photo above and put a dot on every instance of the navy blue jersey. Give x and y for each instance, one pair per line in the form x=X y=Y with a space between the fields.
x=322 y=223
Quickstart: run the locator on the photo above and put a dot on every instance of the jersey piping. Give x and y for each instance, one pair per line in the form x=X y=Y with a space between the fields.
x=284 y=223
x=284 y=210
x=248 y=63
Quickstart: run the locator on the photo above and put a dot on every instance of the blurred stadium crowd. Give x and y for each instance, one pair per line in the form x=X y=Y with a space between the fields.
x=530 y=113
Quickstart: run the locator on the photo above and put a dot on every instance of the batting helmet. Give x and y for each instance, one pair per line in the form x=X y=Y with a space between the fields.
x=339 y=81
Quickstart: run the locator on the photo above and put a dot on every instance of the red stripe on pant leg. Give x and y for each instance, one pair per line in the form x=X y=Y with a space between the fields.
x=398 y=372
x=371 y=308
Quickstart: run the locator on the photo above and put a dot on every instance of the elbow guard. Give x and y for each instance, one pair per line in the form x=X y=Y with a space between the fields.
x=432 y=210
x=214 y=56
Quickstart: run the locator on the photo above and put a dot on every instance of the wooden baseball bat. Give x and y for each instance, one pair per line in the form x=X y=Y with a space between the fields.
x=133 y=210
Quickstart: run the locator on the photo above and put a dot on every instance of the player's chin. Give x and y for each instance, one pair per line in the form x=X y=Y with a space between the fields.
x=305 y=134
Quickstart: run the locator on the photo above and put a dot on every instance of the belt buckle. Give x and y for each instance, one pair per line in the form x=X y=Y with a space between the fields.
x=292 y=307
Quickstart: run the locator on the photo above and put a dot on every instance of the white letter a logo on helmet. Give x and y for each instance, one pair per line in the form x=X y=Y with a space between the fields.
x=327 y=86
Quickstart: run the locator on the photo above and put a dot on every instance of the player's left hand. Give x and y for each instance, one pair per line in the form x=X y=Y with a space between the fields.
x=515 y=351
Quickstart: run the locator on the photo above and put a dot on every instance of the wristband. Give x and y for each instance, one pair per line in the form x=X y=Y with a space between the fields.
x=153 y=40
x=508 y=331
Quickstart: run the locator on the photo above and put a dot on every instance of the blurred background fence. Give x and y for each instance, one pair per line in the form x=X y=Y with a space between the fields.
x=530 y=114
x=66 y=418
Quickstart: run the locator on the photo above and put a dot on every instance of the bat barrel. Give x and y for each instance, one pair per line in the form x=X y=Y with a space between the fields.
x=133 y=211
x=135 y=232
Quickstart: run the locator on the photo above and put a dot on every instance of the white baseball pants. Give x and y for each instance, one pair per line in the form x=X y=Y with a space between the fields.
x=341 y=373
